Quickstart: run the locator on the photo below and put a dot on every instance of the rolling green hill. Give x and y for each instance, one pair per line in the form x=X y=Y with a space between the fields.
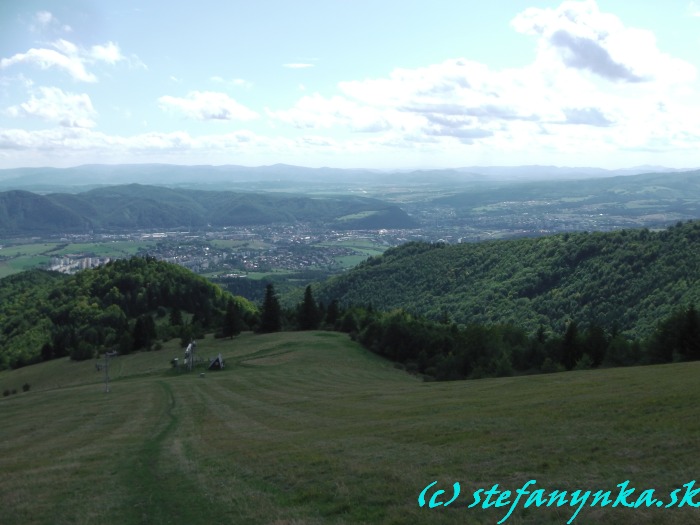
x=126 y=304
x=649 y=193
x=624 y=281
x=308 y=428
x=138 y=206
x=22 y=211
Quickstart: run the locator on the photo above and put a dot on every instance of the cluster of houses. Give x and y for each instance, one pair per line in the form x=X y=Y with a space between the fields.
x=74 y=263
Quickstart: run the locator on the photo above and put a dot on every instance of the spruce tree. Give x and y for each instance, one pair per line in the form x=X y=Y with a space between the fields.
x=144 y=332
x=333 y=313
x=271 y=314
x=571 y=346
x=689 y=337
x=307 y=312
x=175 y=316
x=232 y=320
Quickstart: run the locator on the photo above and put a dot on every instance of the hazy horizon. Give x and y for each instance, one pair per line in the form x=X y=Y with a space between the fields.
x=637 y=168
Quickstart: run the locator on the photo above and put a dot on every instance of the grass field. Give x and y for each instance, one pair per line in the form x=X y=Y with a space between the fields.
x=233 y=244
x=19 y=258
x=106 y=249
x=308 y=428
x=267 y=275
x=364 y=247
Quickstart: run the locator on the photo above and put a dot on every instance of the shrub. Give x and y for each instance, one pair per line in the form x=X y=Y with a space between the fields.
x=82 y=352
x=549 y=366
x=585 y=363
x=25 y=387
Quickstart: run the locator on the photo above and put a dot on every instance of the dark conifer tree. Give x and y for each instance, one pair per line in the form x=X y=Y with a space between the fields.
x=185 y=335
x=126 y=343
x=271 y=314
x=144 y=332
x=176 y=316
x=690 y=335
x=307 y=312
x=595 y=344
x=571 y=346
x=233 y=322
x=333 y=312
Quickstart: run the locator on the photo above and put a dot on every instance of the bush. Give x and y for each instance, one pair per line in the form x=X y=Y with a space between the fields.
x=549 y=366
x=25 y=387
x=5 y=393
x=585 y=363
x=82 y=352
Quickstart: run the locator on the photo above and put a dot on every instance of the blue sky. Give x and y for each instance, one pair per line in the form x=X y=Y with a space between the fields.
x=350 y=83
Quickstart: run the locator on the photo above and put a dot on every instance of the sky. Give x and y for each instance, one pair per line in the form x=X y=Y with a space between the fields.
x=386 y=84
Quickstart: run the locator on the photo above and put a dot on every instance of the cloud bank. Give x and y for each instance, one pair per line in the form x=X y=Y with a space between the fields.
x=207 y=105
x=67 y=57
x=595 y=86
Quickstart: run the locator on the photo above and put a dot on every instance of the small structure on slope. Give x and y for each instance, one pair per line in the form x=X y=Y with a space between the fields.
x=217 y=363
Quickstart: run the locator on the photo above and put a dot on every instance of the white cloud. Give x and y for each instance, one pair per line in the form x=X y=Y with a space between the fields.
x=582 y=37
x=41 y=142
x=44 y=18
x=595 y=85
x=298 y=65
x=457 y=100
x=7 y=80
x=588 y=116
x=45 y=21
x=52 y=104
x=68 y=57
x=66 y=47
x=208 y=105
x=694 y=9
x=315 y=111
x=69 y=146
x=596 y=89
x=135 y=62
x=48 y=58
x=234 y=82
x=108 y=53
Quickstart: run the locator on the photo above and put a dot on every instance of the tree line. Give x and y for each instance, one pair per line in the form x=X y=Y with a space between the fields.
x=624 y=280
x=135 y=304
x=445 y=350
x=126 y=305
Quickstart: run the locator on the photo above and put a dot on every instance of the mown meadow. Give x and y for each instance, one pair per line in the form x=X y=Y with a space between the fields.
x=310 y=428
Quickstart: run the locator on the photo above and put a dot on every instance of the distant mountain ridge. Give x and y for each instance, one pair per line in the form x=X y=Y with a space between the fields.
x=168 y=174
x=651 y=188
x=137 y=206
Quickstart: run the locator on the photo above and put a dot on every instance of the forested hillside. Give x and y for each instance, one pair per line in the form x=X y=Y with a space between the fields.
x=125 y=305
x=138 y=206
x=624 y=281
